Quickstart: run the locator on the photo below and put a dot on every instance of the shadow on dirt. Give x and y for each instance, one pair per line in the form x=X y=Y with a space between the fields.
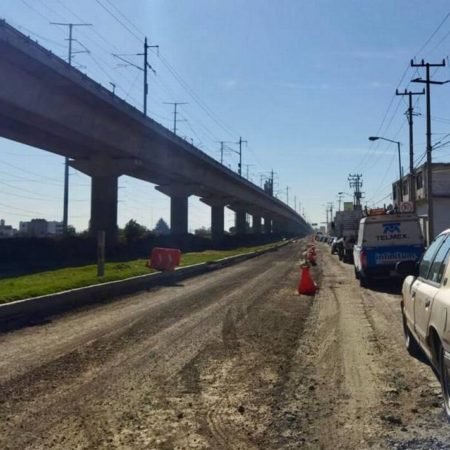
x=387 y=286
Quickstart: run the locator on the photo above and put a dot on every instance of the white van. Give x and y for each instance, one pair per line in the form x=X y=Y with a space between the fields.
x=384 y=240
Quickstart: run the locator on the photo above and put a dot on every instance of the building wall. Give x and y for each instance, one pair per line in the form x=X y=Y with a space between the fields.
x=441 y=208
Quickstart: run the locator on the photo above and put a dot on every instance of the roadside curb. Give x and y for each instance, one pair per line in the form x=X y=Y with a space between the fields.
x=46 y=305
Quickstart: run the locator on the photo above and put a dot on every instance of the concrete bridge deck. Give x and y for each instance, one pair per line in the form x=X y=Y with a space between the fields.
x=48 y=104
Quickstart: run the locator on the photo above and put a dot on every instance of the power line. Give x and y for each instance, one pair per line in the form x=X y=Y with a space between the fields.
x=380 y=128
x=125 y=17
x=118 y=20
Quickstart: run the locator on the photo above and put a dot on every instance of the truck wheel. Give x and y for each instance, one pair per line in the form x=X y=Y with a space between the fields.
x=445 y=382
x=356 y=274
x=411 y=344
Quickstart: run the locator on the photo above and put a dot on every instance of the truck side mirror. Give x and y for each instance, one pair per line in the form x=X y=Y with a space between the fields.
x=407 y=268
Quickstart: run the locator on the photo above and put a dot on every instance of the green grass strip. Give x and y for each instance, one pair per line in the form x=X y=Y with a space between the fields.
x=53 y=281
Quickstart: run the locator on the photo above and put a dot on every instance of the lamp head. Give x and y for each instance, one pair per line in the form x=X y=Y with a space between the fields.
x=373 y=138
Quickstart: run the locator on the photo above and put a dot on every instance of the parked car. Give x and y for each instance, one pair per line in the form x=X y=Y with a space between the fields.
x=334 y=246
x=384 y=240
x=344 y=247
x=426 y=308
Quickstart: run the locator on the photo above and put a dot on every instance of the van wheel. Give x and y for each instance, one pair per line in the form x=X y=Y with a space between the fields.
x=445 y=382
x=363 y=281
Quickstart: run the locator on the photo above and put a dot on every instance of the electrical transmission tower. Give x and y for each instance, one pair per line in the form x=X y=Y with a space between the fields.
x=355 y=182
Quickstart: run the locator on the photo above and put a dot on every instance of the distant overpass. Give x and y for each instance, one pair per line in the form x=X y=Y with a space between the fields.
x=46 y=103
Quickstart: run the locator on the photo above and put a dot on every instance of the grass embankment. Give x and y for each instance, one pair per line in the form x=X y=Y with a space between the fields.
x=75 y=277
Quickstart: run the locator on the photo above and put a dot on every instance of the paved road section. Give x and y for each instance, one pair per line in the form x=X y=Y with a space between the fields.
x=231 y=360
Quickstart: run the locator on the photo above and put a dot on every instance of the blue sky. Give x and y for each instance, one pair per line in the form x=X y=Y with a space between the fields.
x=305 y=82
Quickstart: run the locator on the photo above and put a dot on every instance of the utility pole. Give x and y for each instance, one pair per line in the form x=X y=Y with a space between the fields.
x=287 y=195
x=240 y=142
x=143 y=69
x=222 y=148
x=295 y=203
x=410 y=114
x=113 y=87
x=428 y=82
x=247 y=170
x=330 y=206
x=175 y=113
x=66 y=159
x=146 y=67
x=355 y=182
x=340 y=196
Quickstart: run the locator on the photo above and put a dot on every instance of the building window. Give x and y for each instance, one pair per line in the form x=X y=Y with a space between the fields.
x=405 y=187
x=419 y=180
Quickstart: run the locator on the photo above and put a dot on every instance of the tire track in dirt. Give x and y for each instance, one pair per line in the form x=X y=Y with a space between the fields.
x=412 y=392
x=337 y=375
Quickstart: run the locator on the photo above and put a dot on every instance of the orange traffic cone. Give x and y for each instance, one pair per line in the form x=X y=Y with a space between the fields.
x=312 y=257
x=306 y=285
x=312 y=249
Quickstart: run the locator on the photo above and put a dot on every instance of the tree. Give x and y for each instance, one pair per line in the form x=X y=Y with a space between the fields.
x=161 y=227
x=203 y=232
x=133 y=231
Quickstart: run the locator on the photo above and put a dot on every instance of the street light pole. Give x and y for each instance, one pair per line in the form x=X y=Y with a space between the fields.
x=375 y=138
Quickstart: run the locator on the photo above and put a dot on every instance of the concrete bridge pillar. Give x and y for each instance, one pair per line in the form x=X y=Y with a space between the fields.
x=267 y=225
x=217 y=205
x=241 y=221
x=217 y=222
x=104 y=205
x=179 y=214
x=179 y=195
x=278 y=226
x=104 y=173
x=256 y=225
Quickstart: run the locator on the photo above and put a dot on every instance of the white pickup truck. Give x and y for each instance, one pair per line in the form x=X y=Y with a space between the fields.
x=426 y=309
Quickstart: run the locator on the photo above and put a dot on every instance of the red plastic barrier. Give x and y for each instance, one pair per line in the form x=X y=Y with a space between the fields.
x=165 y=259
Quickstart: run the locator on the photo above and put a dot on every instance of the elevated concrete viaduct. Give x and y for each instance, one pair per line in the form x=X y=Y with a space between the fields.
x=48 y=104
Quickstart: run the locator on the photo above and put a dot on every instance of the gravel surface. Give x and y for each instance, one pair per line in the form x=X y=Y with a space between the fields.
x=229 y=360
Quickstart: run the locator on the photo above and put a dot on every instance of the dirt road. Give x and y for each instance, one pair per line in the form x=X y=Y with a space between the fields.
x=230 y=360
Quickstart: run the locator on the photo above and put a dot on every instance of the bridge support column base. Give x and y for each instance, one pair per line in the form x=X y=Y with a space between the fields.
x=267 y=225
x=104 y=206
x=241 y=222
x=256 y=225
x=217 y=223
x=179 y=215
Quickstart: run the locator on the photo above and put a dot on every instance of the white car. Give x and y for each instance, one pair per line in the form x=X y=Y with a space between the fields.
x=426 y=309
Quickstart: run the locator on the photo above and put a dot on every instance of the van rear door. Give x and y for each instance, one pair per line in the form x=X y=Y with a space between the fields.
x=390 y=241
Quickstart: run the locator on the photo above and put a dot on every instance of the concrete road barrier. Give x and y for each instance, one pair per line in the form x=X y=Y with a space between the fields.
x=20 y=312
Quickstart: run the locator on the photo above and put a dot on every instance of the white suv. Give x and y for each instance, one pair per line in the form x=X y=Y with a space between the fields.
x=426 y=309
